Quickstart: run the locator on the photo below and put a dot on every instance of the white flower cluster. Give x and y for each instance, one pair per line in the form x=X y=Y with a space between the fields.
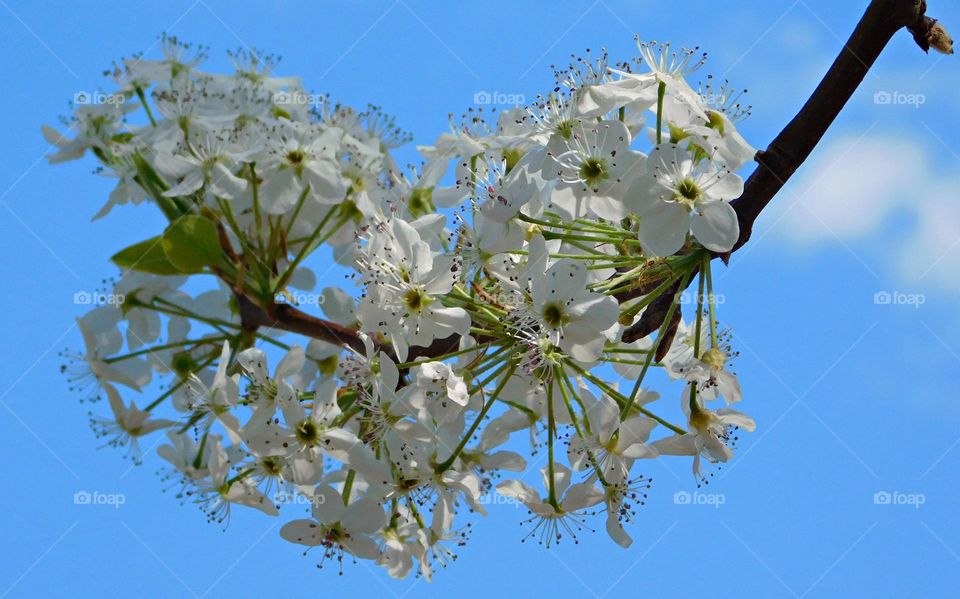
x=502 y=288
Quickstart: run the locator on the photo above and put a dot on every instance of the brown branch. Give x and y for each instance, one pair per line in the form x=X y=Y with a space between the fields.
x=288 y=318
x=795 y=143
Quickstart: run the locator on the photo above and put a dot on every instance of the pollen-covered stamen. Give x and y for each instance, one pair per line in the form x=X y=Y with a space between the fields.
x=373 y=419
x=686 y=183
x=584 y=70
x=333 y=539
x=527 y=329
x=726 y=100
x=664 y=60
x=383 y=127
x=81 y=377
x=355 y=370
x=554 y=114
x=117 y=436
x=443 y=546
x=553 y=528
x=591 y=157
x=625 y=497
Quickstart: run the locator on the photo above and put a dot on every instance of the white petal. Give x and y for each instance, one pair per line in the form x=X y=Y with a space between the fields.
x=582 y=495
x=328 y=505
x=518 y=490
x=604 y=418
x=364 y=516
x=715 y=226
x=280 y=192
x=615 y=530
x=302 y=532
x=664 y=227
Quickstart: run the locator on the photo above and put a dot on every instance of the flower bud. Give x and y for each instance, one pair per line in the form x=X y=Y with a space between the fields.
x=939 y=39
x=714 y=357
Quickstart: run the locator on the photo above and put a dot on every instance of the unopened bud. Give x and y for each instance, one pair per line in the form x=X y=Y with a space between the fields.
x=714 y=357
x=929 y=33
x=940 y=40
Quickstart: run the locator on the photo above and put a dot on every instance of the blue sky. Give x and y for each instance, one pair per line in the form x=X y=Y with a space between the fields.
x=852 y=397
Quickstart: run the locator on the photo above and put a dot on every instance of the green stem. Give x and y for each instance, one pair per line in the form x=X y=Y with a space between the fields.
x=305 y=249
x=551 y=430
x=661 y=92
x=660 y=339
x=711 y=301
x=148 y=350
x=348 y=486
x=699 y=327
x=445 y=465
x=146 y=107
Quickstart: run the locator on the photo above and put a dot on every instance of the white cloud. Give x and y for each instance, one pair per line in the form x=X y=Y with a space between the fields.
x=852 y=185
x=880 y=194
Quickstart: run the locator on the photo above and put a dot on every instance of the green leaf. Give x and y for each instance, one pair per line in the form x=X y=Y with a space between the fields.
x=146 y=256
x=191 y=243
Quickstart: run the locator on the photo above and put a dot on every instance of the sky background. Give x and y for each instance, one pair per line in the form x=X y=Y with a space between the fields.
x=853 y=396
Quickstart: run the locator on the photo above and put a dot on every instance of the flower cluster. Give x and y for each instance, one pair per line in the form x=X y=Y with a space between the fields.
x=505 y=285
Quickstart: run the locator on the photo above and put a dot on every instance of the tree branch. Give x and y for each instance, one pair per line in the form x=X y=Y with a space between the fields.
x=796 y=142
x=788 y=151
x=288 y=318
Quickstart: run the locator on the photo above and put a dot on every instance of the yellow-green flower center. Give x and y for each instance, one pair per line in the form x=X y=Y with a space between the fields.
x=553 y=315
x=593 y=171
x=307 y=432
x=688 y=192
x=415 y=300
x=296 y=157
